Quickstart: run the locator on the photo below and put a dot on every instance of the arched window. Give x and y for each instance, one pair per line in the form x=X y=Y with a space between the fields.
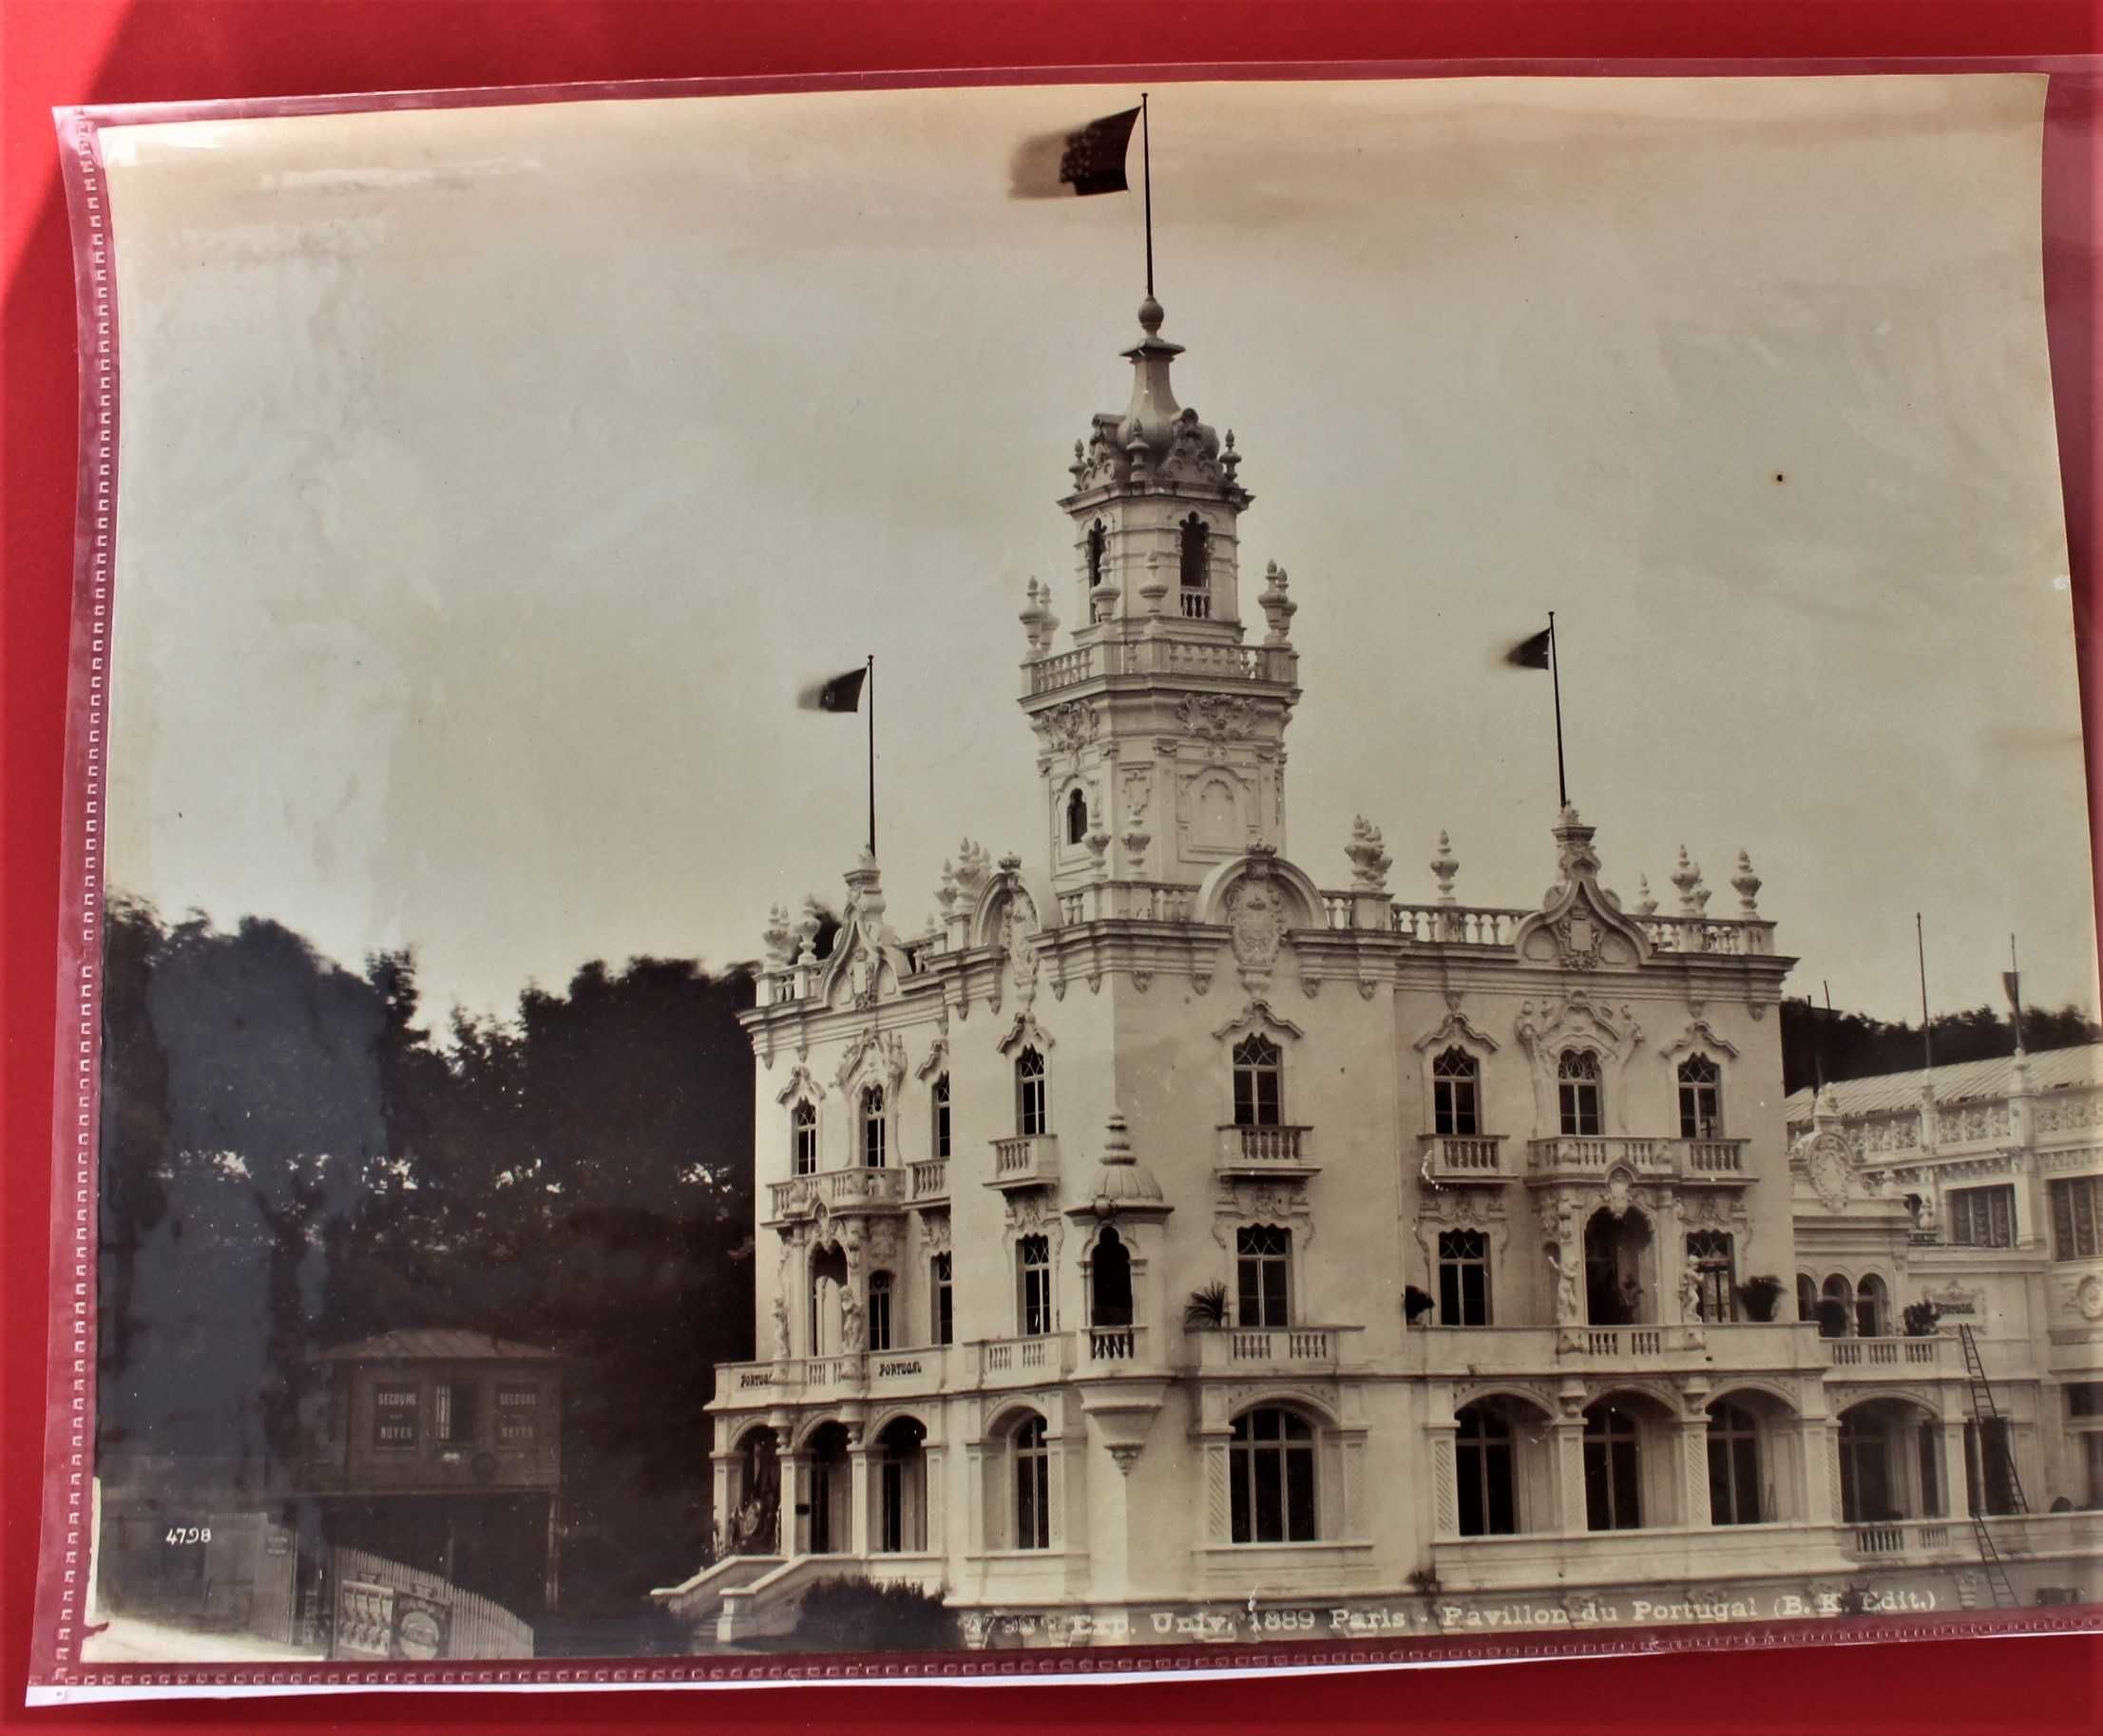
x=902 y=1486
x=879 y=1310
x=873 y=1127
x=1076 y=818
x=1836 y=1308
x=1870 y=1319
x=1110 y=1283
x=1270 y=1463
x=1263 y=1257
x=1098 y=539
x=1710 y=1255
x=1032 y=1457
x=941 y=1098
x=1807 y=1296
x=1258 y=1083
x=1195 y=552
x=1613 y=1470
x=1033 y=1291
x=1454 y=1077
x=1463 y=1278
x=1620 y=1290
x=1578 y=1092
x=828 y=1275
x=1700 y=1099
x=1029 y=1094
x=1483 y=1449
x=944 y=1324
x=1733 y=1465
x=803 y=1139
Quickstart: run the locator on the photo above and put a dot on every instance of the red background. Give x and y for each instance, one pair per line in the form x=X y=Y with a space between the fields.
x=73 y=51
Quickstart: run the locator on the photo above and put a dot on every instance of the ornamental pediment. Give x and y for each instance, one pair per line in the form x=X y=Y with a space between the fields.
x=1579 y=928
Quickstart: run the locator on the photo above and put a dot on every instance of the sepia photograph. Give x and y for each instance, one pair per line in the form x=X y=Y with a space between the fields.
x=1080 y=867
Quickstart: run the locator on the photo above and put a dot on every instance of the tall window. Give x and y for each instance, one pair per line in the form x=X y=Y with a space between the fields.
x=1983 y=1217
x=1710 y=1257
x=803 y=1139
x=1032 y=1282
x=1454 y=1076
x=945 y=1322
x=1463 y=1278
x=1807 y=1296
x=1098 y=539
x=1613 y=1470
x=1989 y=1465
x=1872 y=1314
x=452 y=1412
x=1578 y=1092
x=1076 y=818
x=2085 y=1426
x=873 y=1127
x=1836 y=1307
x=2074 y=1213
x=1700 y=1099
x=1029 y=1093
x=1257 y=1083
x=1864 y=1469
x=1110 y=1282
x=1196 y=552
x=1032 y=1486
x=1271 y=1463
x=1482 y=1450
x=1733 y=1467
x=941 y=1095
x=1263 y=1254
x=879 y=1310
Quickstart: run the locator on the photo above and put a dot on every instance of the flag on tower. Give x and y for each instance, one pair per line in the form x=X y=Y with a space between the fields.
x=1087 y=161
x=1531 y=653
x=843 y=692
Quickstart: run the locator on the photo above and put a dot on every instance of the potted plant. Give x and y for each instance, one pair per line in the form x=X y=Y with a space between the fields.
x=1922 y=1318
x=1416 y=1303
x=1760 y=1296
x=1207 y=1308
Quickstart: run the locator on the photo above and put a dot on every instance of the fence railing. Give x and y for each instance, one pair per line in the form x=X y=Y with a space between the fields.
x=386 y=1610
x=1264 y=1146
x=1900 y=1537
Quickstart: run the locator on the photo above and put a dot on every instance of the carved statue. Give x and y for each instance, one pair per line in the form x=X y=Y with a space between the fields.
x=1568 y=1309
x=1689 y=1293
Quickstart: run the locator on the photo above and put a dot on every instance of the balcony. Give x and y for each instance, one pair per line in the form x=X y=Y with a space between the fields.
x=1274 y=1349
x=1572 y=1158
x=928 y=1182
x=1659 y=1555
x=1746 y=1348
x=1024 y=1362
x=1908 y=1538
x=1207 y=659
x=1029 y=1161
x=855 y=1190
x=1449 y=1157
x=1266 y=1153
x=1858 y=1359
x=1113 y=1349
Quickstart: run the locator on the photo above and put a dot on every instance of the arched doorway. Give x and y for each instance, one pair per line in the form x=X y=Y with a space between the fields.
x=1628 y=1483
x=1618 y=1280
x=1891 y=1462
x=1872 y=1308
x=832 y=1497
x=902 y=1486
x=1504 y=1465
x=1110 y=1282
x=828 y=1285
x=1836 y=1308
x=755 y=1503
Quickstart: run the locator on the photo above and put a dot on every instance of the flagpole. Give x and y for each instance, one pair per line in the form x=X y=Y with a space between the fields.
x=1146 y=169
x=1927 y=1036
x=2015 y=991
x=1554 y=673
x=872 y=755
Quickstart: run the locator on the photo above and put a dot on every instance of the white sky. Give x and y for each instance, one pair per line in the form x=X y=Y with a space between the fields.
x=492 y=478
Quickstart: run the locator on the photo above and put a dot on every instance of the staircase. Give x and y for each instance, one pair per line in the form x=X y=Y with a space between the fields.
x=1993 y=1436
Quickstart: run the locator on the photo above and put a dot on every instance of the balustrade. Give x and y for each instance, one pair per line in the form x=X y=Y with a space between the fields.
x=1267 y=1150
x=1215 y=661
x=930 y=1178
x=1464 y=1155
x=1026 y=1160
x=1456 y=925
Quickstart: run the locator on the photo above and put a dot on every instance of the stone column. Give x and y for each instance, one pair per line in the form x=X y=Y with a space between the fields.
x=1816 y=1447
x=795 y=1491
x=861 y=1529
x=1569 y=1439
x=1445 y=1500
x=1219 y=1526
x=1955 y=1497
x=1691 y=1470
x=975 y=1526
x=727 y=1496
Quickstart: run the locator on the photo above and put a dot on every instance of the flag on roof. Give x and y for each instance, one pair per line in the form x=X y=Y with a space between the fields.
x=1087 y=161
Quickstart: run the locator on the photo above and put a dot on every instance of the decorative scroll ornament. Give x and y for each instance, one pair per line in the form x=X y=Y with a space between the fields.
x=1369 y=861
x=1216 y=716
x=1828 y=1165
x=1256 y=925
x=1071 y=725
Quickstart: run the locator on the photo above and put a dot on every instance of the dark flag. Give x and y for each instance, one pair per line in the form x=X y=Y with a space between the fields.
x=1531 y=653
x=843 y=692
x=1053 y=165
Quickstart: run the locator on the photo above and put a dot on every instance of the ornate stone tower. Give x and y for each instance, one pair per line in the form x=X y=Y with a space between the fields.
x=1161 y=734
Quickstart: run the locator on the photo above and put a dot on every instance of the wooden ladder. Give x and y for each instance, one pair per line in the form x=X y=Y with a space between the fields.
x=1994 y=1440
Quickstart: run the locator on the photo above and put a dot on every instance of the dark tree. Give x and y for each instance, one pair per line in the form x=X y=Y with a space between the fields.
x=1843 y=1045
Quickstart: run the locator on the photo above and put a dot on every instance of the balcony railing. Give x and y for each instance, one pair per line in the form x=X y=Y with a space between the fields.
x=1706 y=934
x=1020 y=1362
x=1028 y=1160
x=930 y=1180
x=1896 y=1356
x=1902 y=1537
x=1276 y=664
x=1131 y=901
x=1267 y=1150
x=1457 y=924
x=1738 y=1347
x=1587 y=1156
x=1293 y=1349
x=850 y=1189
x=1113 y=1345
x=1462 y=1155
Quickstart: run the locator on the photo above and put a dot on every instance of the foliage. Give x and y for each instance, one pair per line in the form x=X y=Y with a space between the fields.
x=855 y=1615
x=1207 y=1306
x=1416 y=1303
x=1922 y=1318
x=578 y=1178
x=1841 y=1045
x=1760 y=1295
